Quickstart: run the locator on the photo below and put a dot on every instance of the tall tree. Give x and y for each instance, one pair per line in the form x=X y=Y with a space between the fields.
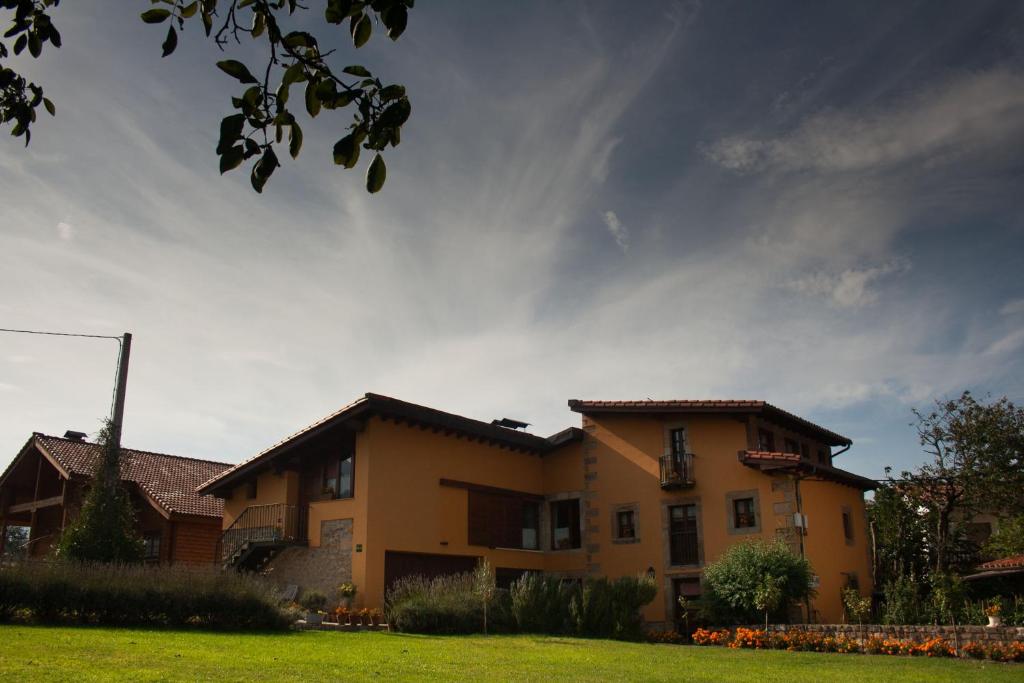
x=263 y=115
x=976 y=463
x=105 y=529
x=898 y=536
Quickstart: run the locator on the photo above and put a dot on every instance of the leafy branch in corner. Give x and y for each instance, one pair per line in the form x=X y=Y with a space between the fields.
x=31 y=29
x=294 y=58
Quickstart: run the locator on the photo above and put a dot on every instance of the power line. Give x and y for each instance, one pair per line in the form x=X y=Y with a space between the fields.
x=62 y=334
x=119 y=341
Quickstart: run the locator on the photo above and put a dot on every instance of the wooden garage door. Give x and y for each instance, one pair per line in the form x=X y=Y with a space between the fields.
x=398 y=565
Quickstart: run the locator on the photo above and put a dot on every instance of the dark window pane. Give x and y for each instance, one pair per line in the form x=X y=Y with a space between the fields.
x=683 y=534
x=765 y=440
x=743 y=513
x=565 y=524
x=346 y=469
x=626 y=524
x=791 y=446
x=847 y=525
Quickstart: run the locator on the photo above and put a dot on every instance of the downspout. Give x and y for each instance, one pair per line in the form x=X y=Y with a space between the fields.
x=800 y=532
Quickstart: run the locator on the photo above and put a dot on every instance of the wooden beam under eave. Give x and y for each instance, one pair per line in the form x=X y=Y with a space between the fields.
x=36 y=505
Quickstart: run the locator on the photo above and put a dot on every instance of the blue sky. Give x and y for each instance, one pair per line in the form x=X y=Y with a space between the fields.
x=815 y=204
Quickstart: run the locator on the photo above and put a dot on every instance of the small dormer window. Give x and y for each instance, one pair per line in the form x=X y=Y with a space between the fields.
x=765 y=440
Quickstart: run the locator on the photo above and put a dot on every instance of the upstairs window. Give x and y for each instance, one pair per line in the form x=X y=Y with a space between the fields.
x=625 y=524
x=565 y=524
x=791 y=446
x=805 y=451
x=743 y=513
x=765 y=440
x=847 y=525
x=250 y=488
x=338 y=477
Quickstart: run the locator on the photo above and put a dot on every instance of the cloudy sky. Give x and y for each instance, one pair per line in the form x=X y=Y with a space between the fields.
x=817 y=204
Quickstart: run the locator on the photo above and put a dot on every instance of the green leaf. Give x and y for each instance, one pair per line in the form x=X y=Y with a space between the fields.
x=356 y=70
x=392 y=92
x=256 y=179
x=259 y=24
x=230 y=131
x=295 y=141
x=155 y=16
x=171 y=42
x=231 y=159
x=49 y=106
x=346 y=151
x=312 y=101
x=376 y=174
x=237 y=70
x=337 y=11
x=20 y=43
x=35 y=45
x=188 y=11
x=263 y=168
x=293 y=74
x=361 y=31
x=395 y=19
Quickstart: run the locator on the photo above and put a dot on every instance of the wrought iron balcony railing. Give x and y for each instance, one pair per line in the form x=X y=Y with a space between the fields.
x=677 y=471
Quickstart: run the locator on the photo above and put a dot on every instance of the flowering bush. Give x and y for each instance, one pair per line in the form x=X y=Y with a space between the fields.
x=756 y=639
x=670 y=637
x=933 y=647
x=975 y=650
x=705 y=637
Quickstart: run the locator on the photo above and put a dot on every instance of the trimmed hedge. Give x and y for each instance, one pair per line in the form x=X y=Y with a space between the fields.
x=135 y=595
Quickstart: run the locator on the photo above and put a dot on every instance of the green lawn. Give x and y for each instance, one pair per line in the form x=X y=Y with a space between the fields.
x=30 y=653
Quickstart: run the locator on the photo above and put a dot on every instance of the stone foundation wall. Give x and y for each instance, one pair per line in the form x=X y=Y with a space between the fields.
x=322 y=568
x=964 y=634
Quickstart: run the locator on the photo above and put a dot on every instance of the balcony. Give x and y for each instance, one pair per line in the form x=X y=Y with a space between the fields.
x=676 y=471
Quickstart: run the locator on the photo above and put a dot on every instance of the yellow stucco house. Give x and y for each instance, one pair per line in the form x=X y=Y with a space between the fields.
x=384 y=488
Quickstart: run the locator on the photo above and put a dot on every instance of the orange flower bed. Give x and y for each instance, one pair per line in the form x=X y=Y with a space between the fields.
x=705 y=637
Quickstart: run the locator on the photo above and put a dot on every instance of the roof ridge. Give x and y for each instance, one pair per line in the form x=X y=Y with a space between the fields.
x=137 y=450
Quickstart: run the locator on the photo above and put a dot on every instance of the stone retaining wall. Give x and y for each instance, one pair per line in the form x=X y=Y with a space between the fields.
x=964 y=634
x=323 y=568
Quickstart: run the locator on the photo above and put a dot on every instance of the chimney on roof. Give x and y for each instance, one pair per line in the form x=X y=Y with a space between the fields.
x=509 y=423
x=74 y=436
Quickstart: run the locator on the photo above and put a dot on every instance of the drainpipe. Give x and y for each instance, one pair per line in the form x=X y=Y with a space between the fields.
x=800 y=531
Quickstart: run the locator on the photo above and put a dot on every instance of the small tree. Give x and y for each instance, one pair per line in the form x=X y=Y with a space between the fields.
x=484 y=586
x=855 y=607
x=768 y=595
x=105 y=529
x=742 y=583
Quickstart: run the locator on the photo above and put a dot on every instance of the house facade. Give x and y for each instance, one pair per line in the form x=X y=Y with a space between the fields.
x=384 y=488
x=43 y=488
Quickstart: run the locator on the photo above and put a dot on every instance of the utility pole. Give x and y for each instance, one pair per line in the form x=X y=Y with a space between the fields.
x=122 y=381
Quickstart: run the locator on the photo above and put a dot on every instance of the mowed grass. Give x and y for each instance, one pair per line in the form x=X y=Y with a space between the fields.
x=29 y=653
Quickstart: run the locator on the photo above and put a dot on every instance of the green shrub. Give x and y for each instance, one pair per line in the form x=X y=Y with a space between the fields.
x=605 y=608
x=445 y=604
x=734 y=582
x=113 y=594
x=540 y=603
x=903 y=603
x=313 y=601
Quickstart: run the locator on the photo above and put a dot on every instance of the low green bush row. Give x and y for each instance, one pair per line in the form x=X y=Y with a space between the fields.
x=535 y=603
x=137 y=595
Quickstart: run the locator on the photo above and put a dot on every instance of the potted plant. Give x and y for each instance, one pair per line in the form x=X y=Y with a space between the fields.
x=346 y=593
x=364 y=616
x=993 y=611
x=341 y=615
x=376 y=616
x=314 y=601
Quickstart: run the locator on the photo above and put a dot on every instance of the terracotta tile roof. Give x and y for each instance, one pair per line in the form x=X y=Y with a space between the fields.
x=170 y=480
x=710 y=406
x=766 y=461
x=378 y=404
x=1015 y=562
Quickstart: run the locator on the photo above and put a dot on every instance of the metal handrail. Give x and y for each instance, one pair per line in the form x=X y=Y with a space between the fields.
x=676 y=469
x=274 y=523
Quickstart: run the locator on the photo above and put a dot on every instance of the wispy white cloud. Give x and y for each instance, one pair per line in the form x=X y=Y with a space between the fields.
x=65 y=231
x=1012 y=307
x=968 y=114
x=619 y=232
x=851 y=288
